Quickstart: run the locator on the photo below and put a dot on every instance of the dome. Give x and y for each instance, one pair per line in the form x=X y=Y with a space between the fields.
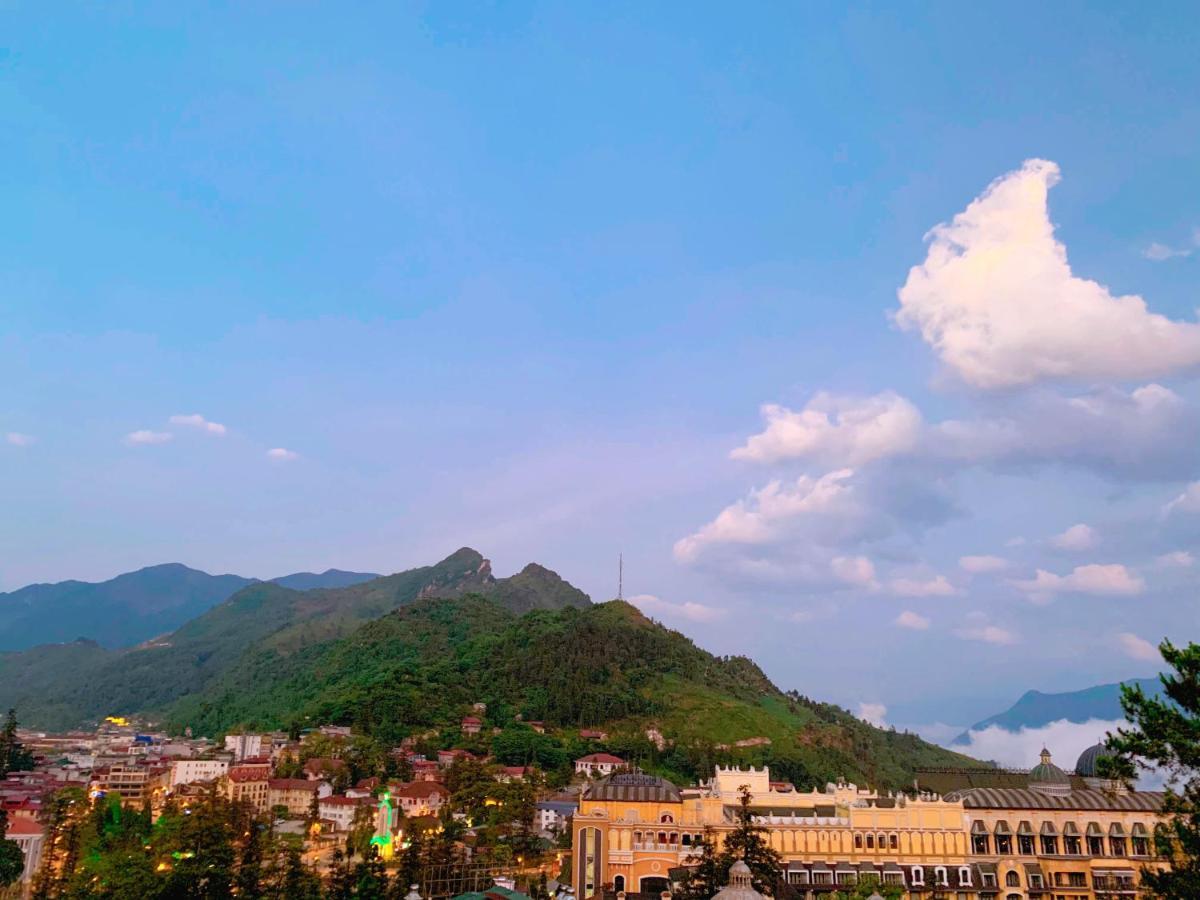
x=739 y=887
x=1086 y=765
x=1049 y=778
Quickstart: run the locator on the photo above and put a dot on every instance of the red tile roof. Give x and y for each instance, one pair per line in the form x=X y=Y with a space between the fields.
x=601 y=758
x=292 y=784
x=21 y=827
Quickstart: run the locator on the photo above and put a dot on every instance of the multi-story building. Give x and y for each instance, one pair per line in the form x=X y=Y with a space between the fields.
x=295 y=794
x=1040 y=835
x=631 y=830
x=1063 y=837
x=250 y=784
x=190 y=771
x=244 y=745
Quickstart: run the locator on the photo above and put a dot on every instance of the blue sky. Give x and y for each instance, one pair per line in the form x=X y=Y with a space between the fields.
x=520 y=276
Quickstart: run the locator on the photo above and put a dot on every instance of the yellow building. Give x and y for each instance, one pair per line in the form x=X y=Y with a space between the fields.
x=1047 y=836
x=631 y=830
x=1063 y=837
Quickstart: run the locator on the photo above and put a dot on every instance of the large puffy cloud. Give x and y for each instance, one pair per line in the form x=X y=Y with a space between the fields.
x=1104 y=580
x=998 y=303
x=806 y=529
x=1077 y=537
x=839 y=430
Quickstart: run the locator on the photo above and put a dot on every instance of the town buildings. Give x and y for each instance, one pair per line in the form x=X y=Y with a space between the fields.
x=296 y=795
x=28 y=836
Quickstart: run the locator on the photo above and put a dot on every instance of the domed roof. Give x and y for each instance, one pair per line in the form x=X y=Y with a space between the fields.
x=739 y=887
x=1085 y=766
x=1047 y=777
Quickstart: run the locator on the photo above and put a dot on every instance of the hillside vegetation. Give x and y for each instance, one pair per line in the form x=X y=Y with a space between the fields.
x=421 y=667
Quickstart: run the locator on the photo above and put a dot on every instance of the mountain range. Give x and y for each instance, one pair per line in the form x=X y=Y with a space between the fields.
x=133 y=607
x=1035 y=709
x=417 y=649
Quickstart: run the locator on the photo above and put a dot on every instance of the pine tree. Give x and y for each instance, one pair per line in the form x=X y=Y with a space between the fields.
x=1165 y=735
x=748 y=842
x=12 y=861
x=707 y=876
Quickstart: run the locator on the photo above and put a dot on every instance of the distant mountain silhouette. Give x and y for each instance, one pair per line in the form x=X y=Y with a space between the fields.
x=133 y=607
x=1036 y=709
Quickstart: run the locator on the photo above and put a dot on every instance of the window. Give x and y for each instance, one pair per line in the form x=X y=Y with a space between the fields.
x=988 y=879
x=1141 y=846
x=918 y=876
x=894 y=841
x=1035 y=881
x=799 y=876
x=845 y=876
x=858 y=842
x=1076 y=879
x=822 y=878
x=619 y=883
x=1117 y=844
x=881 y=841
x=964 y=876
x=1049 y=845
x=1012 y=879
x=1071 y=846
x=870 y=842
x=979 y=843
x=939 y=877
x=687 y=840
x=1004 y=844
x=893 y=878
x=1095 y=845
x=1025 y=844
x=666 y=819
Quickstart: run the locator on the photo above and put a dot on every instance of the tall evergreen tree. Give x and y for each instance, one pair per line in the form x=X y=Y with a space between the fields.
x=748 y=842
x=1164 y=735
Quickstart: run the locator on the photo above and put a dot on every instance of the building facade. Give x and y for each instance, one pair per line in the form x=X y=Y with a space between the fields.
x=1056 y=838
x=1061 y=837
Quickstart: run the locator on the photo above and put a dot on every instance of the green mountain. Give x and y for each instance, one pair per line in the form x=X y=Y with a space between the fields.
x=158 y=672
x=119 y=612
x=330 y=578
x=425 y=664
x=1035 y=708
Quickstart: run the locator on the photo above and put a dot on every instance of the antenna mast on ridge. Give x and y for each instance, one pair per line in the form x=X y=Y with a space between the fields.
x=620 y=577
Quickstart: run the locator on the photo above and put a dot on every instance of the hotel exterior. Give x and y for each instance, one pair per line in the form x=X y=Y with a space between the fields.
x=635 y=833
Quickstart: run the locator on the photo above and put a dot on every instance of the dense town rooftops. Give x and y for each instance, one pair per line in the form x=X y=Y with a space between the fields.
x=633 y=787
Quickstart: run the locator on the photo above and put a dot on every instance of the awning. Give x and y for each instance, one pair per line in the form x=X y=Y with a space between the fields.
x=1139 y=830
x=1071 y=830
x=1033 y=869
x=1093 y=830
x=1002 y=827
x=1116 y=829
x=977 y=827
x=821 y=867
x=868 y=868
x=1024 y=828
x=797 y=867
x=892 y=867
x=1048 y=829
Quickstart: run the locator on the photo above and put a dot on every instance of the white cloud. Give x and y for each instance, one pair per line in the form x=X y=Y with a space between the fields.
x=145 y=437
x=693 y=612
x=758 y=518
x=980 y=565
x=1178 y=559
x=1104 y=580
x=1077 y=537
x=195 y=420
x=937 y=586
x=910 y=619
x=854 y=570
x=17 y=439
x=1157 y=252
x=998 y=303
x=988 y=634
x=846 y=431
x=873 y=713
x=1136 y=647
x=1187 y=502
x=281 y=454
x=1020 y=749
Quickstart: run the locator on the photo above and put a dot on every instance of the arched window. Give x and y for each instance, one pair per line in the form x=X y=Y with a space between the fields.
x=666 y=819
x=870 y=842
x=662 y=837
x=674 y=838
x=1012 y=879
x=939 y=876
x=619 y=883
x=858 y=842
x=687 y=840
x=964 y=876
x=893 y=841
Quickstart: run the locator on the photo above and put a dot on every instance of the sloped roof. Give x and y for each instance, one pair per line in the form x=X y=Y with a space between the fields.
x=1024 y=798
x=633 y=787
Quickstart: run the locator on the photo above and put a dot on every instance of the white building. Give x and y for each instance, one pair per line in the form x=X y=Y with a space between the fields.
x=340 y=810
x=598 y=764
x=187 y=771
x=28 y=837
x=553 y=815
x=243 y=746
